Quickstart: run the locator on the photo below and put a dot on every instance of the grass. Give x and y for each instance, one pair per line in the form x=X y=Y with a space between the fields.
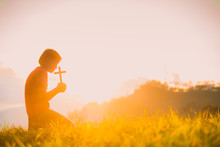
x=156 y=129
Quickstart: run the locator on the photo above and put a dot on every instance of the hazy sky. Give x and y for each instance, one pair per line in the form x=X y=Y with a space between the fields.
x=105 y=43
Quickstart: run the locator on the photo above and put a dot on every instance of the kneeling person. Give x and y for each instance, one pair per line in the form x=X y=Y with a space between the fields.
x=36 y=96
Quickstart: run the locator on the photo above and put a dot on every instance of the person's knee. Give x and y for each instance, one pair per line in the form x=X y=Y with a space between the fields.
x=68 y=122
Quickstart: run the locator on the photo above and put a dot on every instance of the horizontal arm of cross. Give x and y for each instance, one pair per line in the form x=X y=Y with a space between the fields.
x=59 y=72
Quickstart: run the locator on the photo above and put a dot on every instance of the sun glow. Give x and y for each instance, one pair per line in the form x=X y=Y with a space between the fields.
x=101 y=51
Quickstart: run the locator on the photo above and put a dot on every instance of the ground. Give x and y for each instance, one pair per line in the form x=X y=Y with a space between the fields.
x=157 y=129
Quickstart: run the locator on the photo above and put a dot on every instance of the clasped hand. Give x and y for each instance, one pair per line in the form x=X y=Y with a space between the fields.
x=61 y=87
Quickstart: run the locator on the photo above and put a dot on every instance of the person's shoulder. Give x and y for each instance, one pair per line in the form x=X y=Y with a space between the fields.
x=40 y=69
x=38 y=75
x=38 y=72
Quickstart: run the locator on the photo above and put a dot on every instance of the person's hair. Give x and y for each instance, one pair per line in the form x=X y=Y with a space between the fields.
x=49 y=55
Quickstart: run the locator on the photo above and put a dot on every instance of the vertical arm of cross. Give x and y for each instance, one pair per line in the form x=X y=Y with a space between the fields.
x=60 y=75
x=60 y=72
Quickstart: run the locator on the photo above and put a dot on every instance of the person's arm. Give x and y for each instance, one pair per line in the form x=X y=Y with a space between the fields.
x=61 y=87
x=39 y=88
x=47 y=96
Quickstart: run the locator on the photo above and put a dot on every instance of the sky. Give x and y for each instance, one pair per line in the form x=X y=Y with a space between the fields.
x=106 y=43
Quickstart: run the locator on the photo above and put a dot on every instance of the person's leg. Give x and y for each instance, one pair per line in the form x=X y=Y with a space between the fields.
x=38 y=121
x=48 y=118
x=57 y=118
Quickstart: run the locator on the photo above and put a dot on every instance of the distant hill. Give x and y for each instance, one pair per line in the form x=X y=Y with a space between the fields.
x=11 y=87
x=153 y=96
x=16 y=116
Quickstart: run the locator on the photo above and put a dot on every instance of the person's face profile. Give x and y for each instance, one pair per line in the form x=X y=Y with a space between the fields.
x=53 y=66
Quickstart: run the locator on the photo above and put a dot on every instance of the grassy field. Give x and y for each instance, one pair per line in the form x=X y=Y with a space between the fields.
x=156 y=129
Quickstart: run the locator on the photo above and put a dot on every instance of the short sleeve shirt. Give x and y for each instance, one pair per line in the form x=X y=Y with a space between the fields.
x=35 y=90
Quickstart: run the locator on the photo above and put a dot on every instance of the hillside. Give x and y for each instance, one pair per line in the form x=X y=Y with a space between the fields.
x=153 y=96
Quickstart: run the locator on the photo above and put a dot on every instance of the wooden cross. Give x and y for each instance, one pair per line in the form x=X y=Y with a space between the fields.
x=60 y=72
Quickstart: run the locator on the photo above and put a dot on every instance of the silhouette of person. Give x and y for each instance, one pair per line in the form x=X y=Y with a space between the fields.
x=36 y=96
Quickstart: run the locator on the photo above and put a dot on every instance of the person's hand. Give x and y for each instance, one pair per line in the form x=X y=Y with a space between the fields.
x=61 y=87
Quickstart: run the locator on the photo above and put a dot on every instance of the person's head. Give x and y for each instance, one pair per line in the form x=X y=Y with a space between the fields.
x=49 y=60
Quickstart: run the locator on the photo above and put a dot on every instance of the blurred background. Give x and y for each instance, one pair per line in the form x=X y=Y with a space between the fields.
x=109 y=49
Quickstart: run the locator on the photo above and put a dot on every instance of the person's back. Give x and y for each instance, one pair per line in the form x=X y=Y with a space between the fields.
x=36 y=96
x=36 y=81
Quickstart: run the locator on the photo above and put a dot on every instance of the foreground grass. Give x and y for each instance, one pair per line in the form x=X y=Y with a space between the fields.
x=149 y=130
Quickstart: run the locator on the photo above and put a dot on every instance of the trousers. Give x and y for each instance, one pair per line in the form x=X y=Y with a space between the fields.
x=47 y=119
